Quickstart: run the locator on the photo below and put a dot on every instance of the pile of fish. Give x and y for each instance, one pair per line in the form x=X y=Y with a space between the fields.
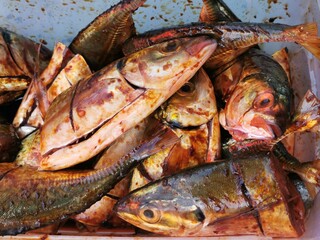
x=181 y=131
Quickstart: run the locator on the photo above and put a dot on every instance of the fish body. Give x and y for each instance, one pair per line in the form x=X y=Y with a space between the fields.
x=258 y=97
x=197 y=146
x=31 y=199
x=239 y=196
x=116 y=98
x=232 y=36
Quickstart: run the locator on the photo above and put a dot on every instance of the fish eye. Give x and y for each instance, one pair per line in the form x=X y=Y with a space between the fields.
x=149 y=213
x=186 y=89
x=264 y=100
x=170 y=46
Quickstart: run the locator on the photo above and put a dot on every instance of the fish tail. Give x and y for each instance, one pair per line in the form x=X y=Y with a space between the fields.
x=310 y=41
x=310 y=172
x=307 y=171
x=313 y=46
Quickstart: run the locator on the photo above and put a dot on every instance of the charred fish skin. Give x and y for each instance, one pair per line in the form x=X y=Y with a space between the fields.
x=195 y=201
x=32 y=199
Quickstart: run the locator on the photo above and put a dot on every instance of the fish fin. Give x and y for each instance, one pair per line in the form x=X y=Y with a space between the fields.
x=216 y=11
x=282 y=57
x=162 y=137
x=40 y=88
x=307 y=171
x=307 y=116
x=310 y=29
x=311 y=41
x=313 y=46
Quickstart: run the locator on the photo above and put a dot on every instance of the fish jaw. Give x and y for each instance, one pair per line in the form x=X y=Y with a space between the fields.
x=242 y=131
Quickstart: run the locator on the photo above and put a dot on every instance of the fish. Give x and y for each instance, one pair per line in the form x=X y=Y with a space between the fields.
x=240 y=196
x=32 y=199
x=231 y=36
x=113 y=100
x=192 y=105
x=100 y=42
x=258 y=97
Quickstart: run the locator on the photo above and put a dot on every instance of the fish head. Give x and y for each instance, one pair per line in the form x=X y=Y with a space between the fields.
x=192 y=105
x=255 y=110
x=159 y=208
x=166 y=64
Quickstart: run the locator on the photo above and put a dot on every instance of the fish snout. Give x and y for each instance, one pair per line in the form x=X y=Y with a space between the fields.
x=201 y=45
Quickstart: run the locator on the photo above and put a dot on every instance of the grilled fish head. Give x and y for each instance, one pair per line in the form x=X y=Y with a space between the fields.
x=158 y=66
x=159 y=208
x=192 y=105
x=256 y=109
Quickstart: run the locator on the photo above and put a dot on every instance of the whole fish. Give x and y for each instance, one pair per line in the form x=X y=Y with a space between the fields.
x=235 y=197
x=31 y=199
x=258 y=97
x=260 y=77
x=86 y=118
x=232 y=36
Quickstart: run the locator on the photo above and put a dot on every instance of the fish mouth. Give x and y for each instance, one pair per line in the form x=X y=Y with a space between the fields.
x=202 y=46
x=258 y=129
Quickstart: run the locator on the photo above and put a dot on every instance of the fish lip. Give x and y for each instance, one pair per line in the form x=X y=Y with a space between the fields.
x=201 y=46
